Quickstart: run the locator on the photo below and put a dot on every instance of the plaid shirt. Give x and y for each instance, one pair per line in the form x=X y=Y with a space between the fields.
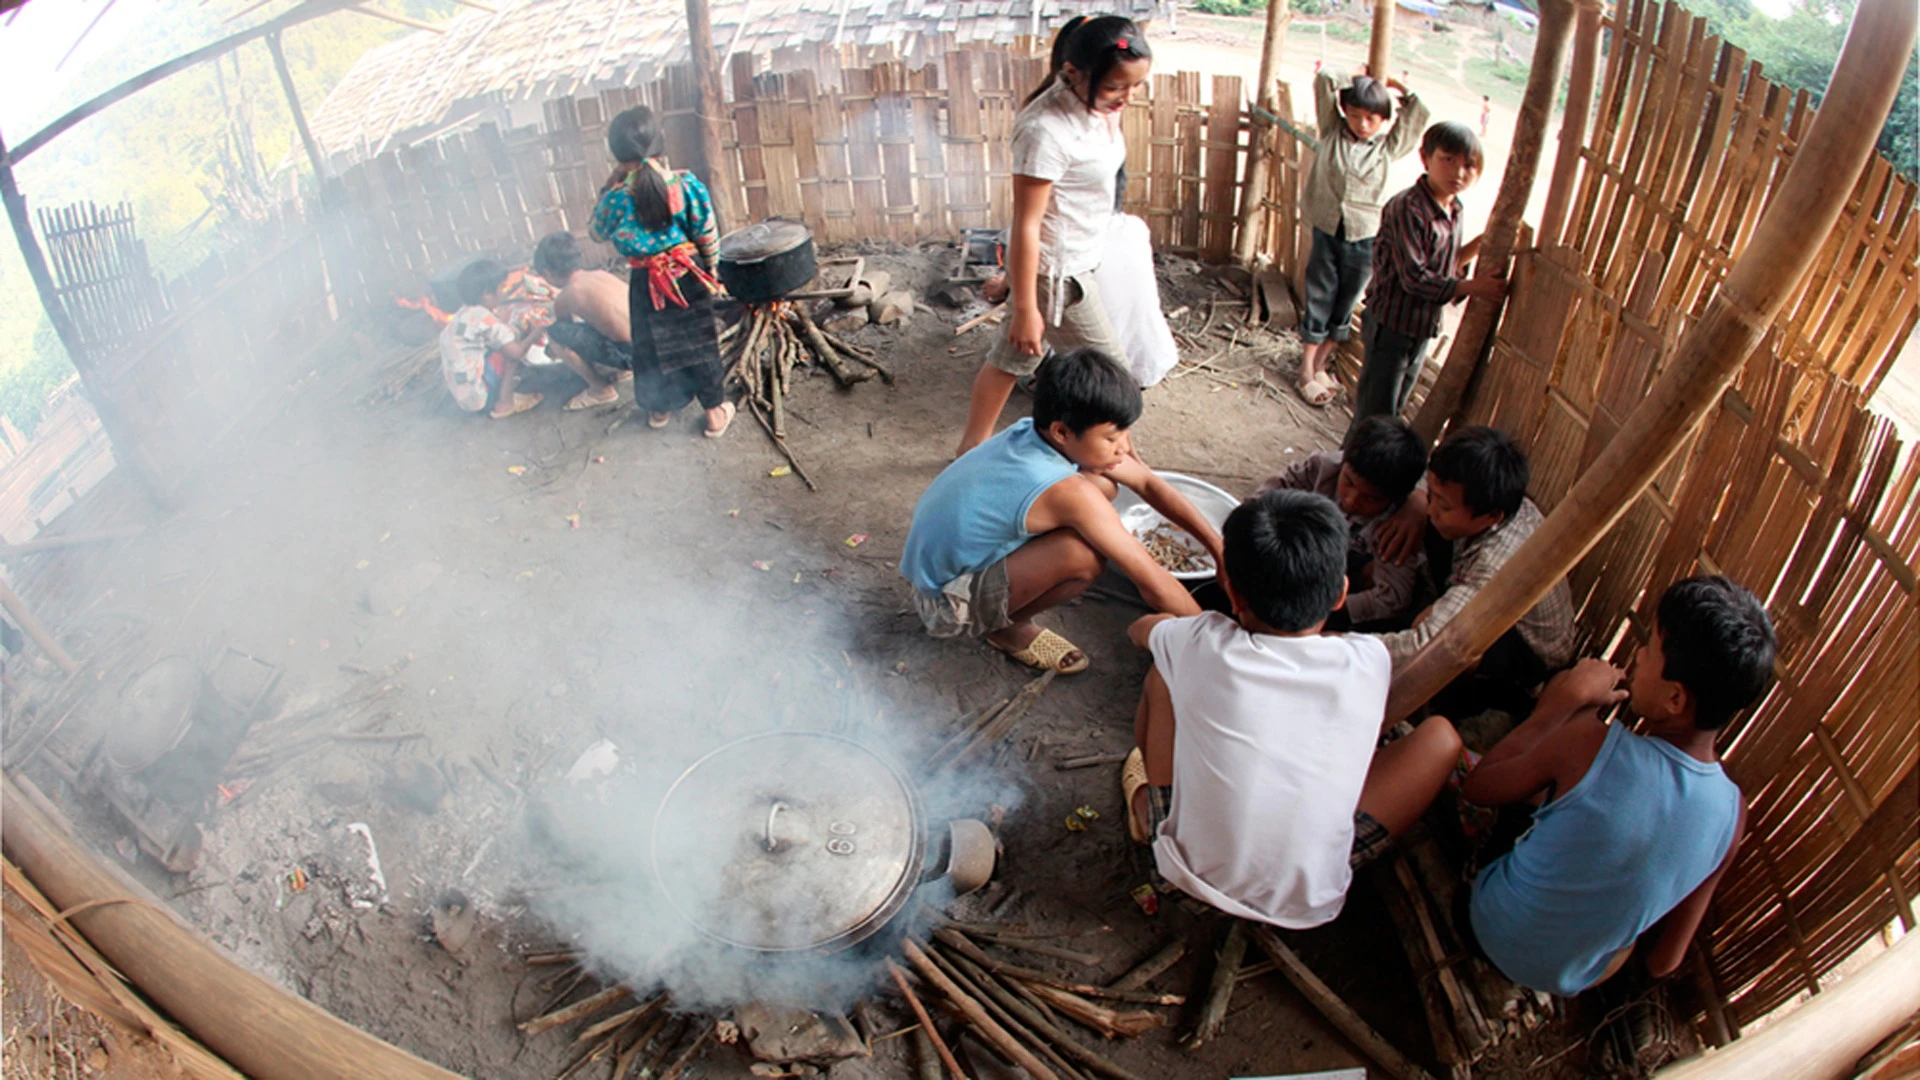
x=1392 y=590
x=1415 y=262
x=1548 y=629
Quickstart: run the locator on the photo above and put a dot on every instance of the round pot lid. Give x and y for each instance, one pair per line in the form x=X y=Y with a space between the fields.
x=789 y=841
x=155 y=711
x=762 y=241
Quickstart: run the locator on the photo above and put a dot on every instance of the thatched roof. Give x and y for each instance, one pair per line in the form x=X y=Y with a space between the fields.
x=536 y=49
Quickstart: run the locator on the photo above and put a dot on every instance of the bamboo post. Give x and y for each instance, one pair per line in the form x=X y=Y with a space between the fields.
x=293 y=103
x=257 y=1026
x=1797 y=222
x=1827 y=1035
x=32 y=627
x=711 y=105
x=1380 y=47
x=1573 y=123
x=1260 y=146
x=1503 y=221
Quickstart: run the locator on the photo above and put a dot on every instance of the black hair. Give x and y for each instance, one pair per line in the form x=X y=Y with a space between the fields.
x=1369 y=94
x=1490 y=469
x=1094 y=46
x=1386 y=453
x=1082 y=389
x=1718 y=643
x=480 y=277
x=1455 y=138
x=556 y=256
x=1285 y=554
x=634 y=136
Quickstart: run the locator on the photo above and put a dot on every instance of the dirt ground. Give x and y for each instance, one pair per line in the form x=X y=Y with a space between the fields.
x=542 y=584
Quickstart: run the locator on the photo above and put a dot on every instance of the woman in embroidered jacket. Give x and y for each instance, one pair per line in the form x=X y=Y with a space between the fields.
x=662 y=221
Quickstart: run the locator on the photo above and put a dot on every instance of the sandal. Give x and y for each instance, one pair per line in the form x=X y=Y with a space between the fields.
x=521 y=403
x=714 y=433
x=1133 y=777
x=1045 y=653
x=587 y=399
x=1317 y=393
x=659 y=420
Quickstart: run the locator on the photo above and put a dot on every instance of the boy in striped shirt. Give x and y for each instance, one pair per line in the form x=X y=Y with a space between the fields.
x=1419 y=267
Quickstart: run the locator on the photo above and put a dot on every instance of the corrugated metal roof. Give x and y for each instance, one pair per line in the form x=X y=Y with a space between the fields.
x=546 y=48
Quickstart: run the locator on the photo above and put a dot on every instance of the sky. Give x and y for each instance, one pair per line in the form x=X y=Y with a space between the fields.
x=35 y=86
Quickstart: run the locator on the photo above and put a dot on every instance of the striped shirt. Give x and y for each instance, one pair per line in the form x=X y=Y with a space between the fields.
x=1415 y=262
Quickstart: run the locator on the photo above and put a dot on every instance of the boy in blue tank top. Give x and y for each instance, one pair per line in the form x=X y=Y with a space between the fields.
x=1635 y=830
x=1025 y=522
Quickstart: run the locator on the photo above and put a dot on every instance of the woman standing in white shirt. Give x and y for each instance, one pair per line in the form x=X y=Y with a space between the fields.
x=1067 y=152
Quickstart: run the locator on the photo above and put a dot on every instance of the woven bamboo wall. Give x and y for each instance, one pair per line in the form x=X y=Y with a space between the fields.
x=874 y=151
x=1793 y=487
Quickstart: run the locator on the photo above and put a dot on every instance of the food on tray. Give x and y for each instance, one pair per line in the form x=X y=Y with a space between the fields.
x=1173 y=549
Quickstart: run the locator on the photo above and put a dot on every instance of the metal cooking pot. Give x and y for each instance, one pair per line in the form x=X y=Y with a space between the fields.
x=767 y=261
x=793 y=842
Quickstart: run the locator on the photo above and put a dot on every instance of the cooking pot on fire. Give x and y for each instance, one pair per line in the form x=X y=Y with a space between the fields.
x=793 y=841
x=766 y=261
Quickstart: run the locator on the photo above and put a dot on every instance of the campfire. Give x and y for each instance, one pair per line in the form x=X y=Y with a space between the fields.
x=425 y=304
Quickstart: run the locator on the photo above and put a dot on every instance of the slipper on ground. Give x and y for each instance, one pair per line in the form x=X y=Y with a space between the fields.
x=1045 y=653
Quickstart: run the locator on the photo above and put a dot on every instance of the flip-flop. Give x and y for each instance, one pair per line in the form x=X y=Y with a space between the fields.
x=714 y=433
x=585 y=400
x=659 y=420
x=621 y=375
x=521 y=403
x=1316 y=393
x=1133 y=777
x=1045 y=653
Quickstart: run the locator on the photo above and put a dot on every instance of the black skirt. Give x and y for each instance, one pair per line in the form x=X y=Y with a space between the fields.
x=676 y=350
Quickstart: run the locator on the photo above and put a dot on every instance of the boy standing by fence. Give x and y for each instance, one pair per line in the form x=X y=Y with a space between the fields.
x=1344 y=193
x=1418 y=268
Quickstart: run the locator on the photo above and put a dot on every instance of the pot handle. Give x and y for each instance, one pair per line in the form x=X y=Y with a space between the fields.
x=772 y=813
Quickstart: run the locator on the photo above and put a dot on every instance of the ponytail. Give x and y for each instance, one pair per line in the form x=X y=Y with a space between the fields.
x=1058 y=57
x=634 y=137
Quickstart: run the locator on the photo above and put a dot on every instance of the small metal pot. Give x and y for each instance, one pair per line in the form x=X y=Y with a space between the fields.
x=797 y=842
x=766 y=261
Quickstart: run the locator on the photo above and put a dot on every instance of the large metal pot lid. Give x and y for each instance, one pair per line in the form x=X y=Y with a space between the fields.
x=155 y=711
x=762 y=241
x=789 y=841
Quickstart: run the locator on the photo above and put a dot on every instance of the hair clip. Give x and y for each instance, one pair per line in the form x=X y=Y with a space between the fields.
x=1123 y=44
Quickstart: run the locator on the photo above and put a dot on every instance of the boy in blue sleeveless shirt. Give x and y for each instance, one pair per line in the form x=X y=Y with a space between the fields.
x=1025 y=522
x=1635 y=830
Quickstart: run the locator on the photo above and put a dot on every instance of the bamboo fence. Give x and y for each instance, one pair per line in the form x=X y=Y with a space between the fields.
x=860 y=151
x=1793 y=488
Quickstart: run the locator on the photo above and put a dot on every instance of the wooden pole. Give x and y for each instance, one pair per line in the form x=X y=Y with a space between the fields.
x=1826 y=1036
x=1380 y=48
x=293 y=103
x=261 y=1028
x=1573 y=123
x=1261 y=146
x=33 y=628
x=127 y=447
x=711 y=106
x=1798 y=220
x=1503 y=221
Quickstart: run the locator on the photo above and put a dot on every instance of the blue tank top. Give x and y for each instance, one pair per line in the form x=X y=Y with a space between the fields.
x=1603 y=862
x=975 y=512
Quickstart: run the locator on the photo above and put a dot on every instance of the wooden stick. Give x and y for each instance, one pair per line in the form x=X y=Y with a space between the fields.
x=1038 y=948
x=968 y=726
x=1007 y=1019
x=579 y=1010
x=828 y=355
x=926 y=1022
x=1111 y=1023
x=886 y=374
x=858 y=352
x=976 y=1014
x=1002 y=722
x=992 y=314
x=1213 y=1013
x=780 y=444
x=1152 y=967
x=54 y=543
x=926 y=1058
x=686 y=1056
x=959 y=943
x=1573 y=121
x=1795 y=225
x=1089 y=761
x=1338 y=1012
x=1033 y=1019
x=41 y=636
x=1261 y=147
x=622 y=1018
